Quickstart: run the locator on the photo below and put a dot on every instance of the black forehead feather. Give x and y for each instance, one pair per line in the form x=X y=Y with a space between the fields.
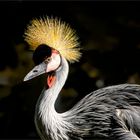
x=40 y=53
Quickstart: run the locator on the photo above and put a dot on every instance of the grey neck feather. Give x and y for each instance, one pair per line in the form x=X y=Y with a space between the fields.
x=50 y=95
x=50 y=120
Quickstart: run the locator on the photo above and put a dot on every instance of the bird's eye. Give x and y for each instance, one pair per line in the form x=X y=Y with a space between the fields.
x=47 y=60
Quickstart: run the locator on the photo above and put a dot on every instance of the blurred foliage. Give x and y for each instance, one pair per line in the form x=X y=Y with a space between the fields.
x=109 y=35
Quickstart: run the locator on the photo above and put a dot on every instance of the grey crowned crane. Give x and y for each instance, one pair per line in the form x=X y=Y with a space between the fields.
x=108 y=113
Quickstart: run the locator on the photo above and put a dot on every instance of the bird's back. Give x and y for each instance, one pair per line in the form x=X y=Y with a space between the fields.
x=111 y=112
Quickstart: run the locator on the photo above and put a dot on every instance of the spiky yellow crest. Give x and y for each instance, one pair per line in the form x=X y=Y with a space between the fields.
x=54 y=33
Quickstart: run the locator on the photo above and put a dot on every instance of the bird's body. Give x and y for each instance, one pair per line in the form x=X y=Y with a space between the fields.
x=111 y=113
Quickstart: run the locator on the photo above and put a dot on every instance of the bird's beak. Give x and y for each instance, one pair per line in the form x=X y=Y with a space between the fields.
x=36 y=71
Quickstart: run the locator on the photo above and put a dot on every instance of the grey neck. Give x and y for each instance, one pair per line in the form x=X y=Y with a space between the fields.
x=45 y=108
x=48 y=97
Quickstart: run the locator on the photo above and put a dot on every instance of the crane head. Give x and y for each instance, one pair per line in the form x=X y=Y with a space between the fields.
x=46 y=60
x=50 y=39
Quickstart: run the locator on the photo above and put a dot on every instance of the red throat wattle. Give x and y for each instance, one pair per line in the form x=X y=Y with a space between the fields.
x=51 y=80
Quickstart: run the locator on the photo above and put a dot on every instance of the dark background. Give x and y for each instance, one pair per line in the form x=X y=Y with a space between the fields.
x=109 y=33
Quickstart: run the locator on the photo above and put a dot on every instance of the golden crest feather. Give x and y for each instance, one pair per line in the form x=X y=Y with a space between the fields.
x=54 y=33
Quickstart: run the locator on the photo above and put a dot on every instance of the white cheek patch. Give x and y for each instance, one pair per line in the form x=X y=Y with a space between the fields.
x=54 y=63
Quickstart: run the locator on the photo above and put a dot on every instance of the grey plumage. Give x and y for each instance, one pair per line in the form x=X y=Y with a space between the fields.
x=112 y=113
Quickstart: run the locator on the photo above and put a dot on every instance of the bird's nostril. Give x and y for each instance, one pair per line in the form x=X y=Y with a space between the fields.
x=35 y=71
